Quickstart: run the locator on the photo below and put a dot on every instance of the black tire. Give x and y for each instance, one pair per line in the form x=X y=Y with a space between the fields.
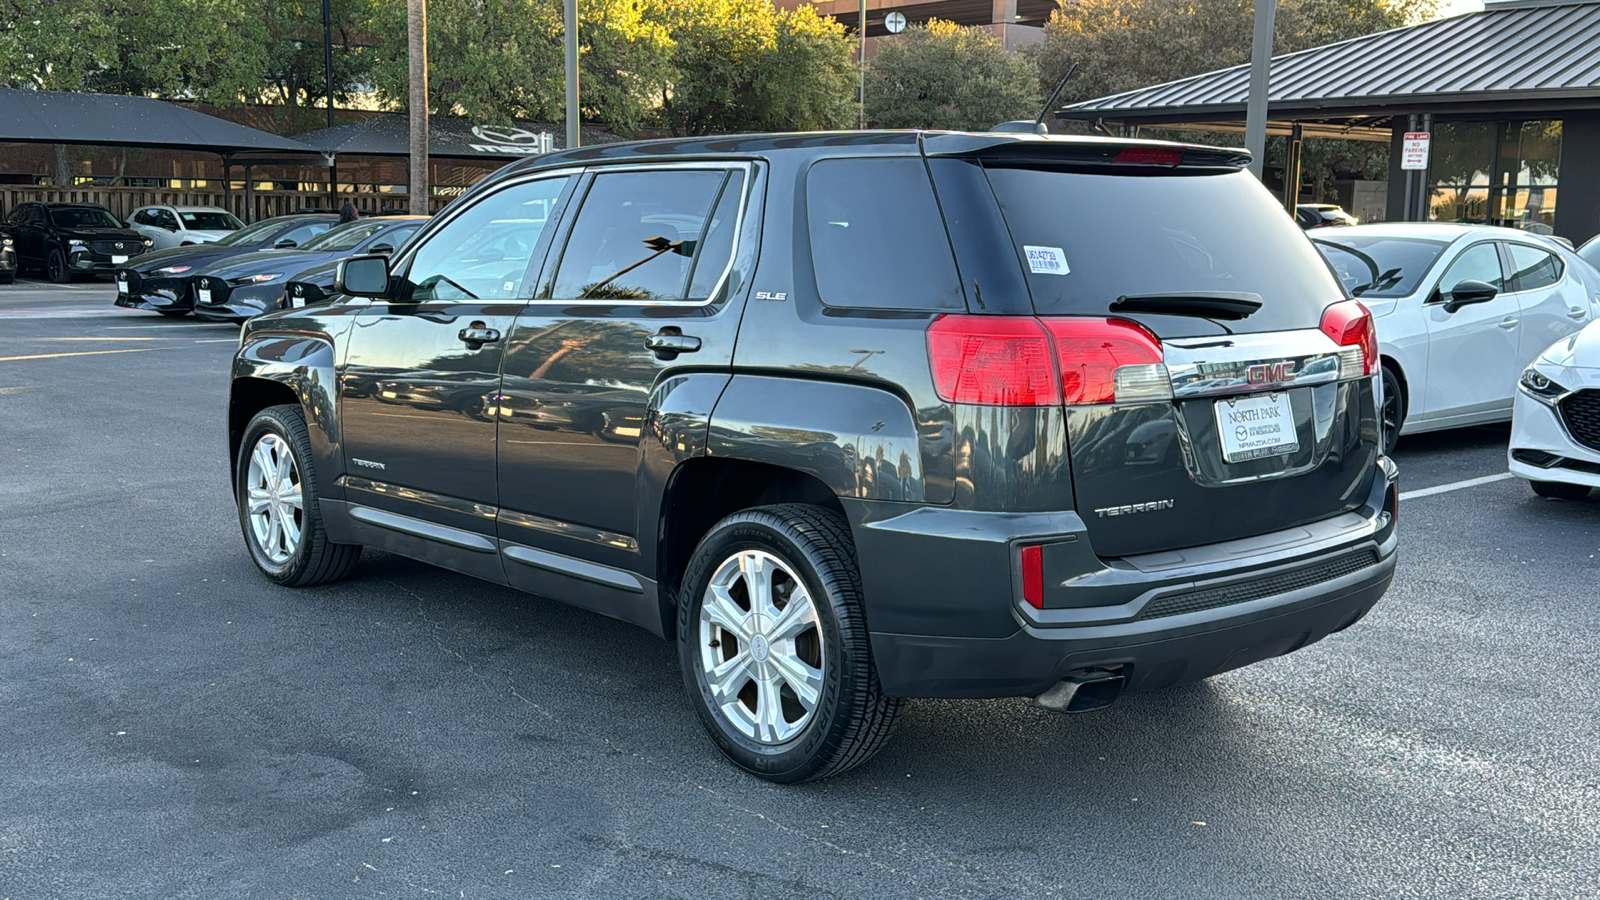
x=7 y=277
x=315 y=559
x=55 y=267
x=853 y=718
x=1393 y=414
x=1560 y=490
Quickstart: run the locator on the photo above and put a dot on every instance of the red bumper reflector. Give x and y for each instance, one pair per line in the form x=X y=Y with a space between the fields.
x=1033 y=575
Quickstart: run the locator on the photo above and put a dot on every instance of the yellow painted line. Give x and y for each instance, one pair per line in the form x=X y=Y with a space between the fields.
x=81 y=353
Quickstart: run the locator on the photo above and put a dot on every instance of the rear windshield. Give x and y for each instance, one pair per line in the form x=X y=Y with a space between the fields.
x=1085 y=240
x=251 y=234
x=344 y=237
x=1380 y=266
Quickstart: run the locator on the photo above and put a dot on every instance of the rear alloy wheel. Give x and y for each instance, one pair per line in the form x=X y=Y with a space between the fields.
x=774 y=645
x=55 y=267
x=1560 y=490
x=277 y=498
x=1393 y=413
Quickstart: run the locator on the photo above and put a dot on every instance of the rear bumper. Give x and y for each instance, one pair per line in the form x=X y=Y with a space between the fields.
x=944 y=600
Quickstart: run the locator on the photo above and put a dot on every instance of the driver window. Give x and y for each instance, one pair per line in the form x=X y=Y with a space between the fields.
x=483 y=253
x=1480 y=262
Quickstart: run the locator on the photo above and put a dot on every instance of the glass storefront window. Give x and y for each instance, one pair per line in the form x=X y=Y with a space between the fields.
x=1496 y=173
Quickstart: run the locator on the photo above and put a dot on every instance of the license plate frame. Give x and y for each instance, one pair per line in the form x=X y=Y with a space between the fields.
x=1256 y=426
x=122 y=286
x=203 y=295
x=118 y=259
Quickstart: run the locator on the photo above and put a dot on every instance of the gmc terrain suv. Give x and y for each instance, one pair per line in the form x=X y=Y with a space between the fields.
x=851 y=417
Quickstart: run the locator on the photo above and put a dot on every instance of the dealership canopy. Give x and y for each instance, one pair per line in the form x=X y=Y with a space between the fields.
x=62 y=117
x=389 y=134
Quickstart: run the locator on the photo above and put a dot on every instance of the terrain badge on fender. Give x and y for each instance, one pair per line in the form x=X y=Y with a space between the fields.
x=1132 y=508
x=368 y=463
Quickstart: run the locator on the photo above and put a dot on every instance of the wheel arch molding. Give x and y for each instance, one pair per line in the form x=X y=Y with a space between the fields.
x=274 y=368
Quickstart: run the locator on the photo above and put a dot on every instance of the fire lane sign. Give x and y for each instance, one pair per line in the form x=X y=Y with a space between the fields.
x=1414 y=152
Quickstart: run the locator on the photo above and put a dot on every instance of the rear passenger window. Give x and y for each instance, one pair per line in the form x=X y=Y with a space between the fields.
x=1535 y=268
x=877 y=238
x=637 y=235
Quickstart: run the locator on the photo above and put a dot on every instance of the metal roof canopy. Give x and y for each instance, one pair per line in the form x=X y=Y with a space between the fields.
x=66 y=117
x=1523 y=57
x=389 y=134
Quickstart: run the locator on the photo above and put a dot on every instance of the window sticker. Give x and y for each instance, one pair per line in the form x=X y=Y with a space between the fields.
x=1047 y=260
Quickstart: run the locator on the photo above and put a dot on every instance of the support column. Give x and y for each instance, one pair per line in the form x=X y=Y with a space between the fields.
x=1291 y=168
x=1399 y=195
x=1578 y=178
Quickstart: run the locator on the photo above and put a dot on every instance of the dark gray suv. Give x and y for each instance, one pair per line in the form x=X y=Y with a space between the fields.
x=851 y=417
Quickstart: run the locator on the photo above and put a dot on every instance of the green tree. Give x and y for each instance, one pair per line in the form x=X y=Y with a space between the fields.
x=941 y=75
x=1120 y=45
x=290 y=38
x=744 y=65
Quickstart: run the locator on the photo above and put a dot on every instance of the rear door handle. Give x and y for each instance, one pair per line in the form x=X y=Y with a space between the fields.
x=669 y=342
x=478 y=333
x=1509 y=322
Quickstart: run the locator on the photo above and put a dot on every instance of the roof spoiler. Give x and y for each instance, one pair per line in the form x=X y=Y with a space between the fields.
x=1084 y=151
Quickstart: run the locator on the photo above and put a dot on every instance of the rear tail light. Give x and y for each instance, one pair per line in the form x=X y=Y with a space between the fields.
x=993 y=361
x=1351 y=326
x=1093 y=354
x=1023 y=361
x=1033 y=575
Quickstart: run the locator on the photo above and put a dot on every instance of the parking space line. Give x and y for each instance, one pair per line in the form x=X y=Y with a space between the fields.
x=1454 y=486
x=80 y=353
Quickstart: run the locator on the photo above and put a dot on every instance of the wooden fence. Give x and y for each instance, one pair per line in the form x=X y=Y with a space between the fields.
x=251 y=206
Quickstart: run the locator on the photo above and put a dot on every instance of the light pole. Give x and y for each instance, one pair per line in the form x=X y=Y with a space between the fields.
x=570 y=15
x=861 y=26
x=417 y=46
x=1255 y=116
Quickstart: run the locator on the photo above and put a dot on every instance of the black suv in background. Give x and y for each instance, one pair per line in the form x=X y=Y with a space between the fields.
x=160 y=281
x=70 y=240
x=851 y=417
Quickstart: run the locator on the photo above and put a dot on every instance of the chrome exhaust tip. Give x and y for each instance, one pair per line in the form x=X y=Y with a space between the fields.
x=1083 y=691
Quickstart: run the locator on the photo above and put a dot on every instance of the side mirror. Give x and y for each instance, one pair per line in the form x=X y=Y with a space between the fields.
x=381 y=250
x=285 y=244
x=363 y=276
x=1469 y=292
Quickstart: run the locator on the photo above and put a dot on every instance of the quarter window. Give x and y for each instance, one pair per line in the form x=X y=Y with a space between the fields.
x=638 y=235
x=483 y=253
x=1480 y=262
x=877 y=237
x=1535 y=268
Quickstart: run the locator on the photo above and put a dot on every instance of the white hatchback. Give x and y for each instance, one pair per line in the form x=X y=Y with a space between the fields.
x=1460 y=310
x=1555 y=425
x=180 y=226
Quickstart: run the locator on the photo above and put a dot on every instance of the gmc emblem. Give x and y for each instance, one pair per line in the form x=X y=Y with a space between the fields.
x=1268 y=373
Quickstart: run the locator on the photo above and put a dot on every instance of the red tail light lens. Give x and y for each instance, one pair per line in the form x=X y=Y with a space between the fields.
x=1149 y=156
x=1350 y=325
x=1033 y=575
x=1089 y=352
x=993 y=361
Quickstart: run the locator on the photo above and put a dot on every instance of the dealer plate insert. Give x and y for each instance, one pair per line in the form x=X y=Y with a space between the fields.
x=1256 y=426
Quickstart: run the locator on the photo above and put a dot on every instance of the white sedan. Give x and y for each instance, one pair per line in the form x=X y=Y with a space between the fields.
x=180 y=226
x=1555 y=425
x=1460 y=310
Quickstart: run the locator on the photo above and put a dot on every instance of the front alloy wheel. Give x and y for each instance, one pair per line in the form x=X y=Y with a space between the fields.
x=275 y=505
x=275 y=484
x=761 y=647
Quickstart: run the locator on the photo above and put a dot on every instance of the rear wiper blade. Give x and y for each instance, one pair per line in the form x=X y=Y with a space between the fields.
x=1231 y=305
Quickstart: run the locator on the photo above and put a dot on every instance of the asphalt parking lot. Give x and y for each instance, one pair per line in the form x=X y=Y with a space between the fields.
x=172 y=725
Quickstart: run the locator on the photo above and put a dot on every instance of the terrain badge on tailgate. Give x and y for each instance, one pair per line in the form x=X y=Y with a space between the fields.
x=1132 y=508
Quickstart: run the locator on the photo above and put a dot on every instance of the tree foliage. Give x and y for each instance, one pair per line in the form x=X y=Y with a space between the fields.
x=745 y=65
x=941 y=75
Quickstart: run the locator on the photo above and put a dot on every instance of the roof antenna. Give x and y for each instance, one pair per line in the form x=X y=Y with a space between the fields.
x=1037 y=126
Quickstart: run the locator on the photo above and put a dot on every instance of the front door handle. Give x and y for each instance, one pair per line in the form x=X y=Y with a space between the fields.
x=670 y=341
x=1509 y=322
x=1578 y=313
x=479 y=333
